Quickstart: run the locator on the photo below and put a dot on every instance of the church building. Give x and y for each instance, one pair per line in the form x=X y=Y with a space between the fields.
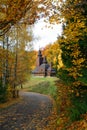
x=42 y=67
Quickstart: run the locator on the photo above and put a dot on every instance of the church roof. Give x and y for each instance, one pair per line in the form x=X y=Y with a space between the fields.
x=43 y=67
x=52 y=70
x=36 y=70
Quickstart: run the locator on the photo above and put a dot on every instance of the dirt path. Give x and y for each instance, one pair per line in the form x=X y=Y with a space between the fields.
x=32 y=113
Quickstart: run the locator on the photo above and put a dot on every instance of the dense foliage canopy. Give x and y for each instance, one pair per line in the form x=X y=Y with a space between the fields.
x=73 y=42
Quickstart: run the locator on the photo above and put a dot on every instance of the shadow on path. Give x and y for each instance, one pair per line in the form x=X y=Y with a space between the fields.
x=32 y=113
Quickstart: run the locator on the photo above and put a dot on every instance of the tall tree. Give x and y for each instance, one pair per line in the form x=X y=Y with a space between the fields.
x=73 y=44
x=5 y=62
x=14 y=65
x=21 y=58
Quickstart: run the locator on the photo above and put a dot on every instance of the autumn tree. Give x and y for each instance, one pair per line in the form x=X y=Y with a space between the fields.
x=73 y=42
x=6 y=60
x=32 y=54
x=14 y=15
x=21 y=38
x=14 y=62
x=53 y=54
x=20 y=11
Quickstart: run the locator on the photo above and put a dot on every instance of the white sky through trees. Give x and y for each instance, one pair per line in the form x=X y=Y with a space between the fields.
x=45 y=33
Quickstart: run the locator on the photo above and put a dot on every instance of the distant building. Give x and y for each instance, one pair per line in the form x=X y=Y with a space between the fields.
x=42 y=67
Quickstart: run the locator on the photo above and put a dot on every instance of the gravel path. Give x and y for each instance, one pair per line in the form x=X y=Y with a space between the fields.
x=31 y=113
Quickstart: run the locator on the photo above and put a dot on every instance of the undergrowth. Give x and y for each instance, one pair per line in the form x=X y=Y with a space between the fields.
x=71 y=108
x=79 y=106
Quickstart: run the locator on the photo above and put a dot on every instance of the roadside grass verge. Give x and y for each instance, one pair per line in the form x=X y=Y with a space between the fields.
x=42 y=85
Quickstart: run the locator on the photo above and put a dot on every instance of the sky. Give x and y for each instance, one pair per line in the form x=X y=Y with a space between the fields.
x=45 y=33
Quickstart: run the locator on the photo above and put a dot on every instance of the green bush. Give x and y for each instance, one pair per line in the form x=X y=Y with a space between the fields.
x=79 y=106
x=64 y=76
x=5 y=93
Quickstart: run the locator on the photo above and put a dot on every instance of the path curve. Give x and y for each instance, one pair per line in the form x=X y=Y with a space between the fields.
x=32 y=113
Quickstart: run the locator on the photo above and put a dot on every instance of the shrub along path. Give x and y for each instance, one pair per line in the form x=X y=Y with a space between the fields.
x=33 y=112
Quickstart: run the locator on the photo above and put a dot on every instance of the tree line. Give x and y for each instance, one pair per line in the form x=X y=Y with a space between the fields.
x=69 y=52
x=15 y=60
x=15 y=47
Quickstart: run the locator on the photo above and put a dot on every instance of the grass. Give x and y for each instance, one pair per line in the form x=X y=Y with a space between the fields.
x=42 y=85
